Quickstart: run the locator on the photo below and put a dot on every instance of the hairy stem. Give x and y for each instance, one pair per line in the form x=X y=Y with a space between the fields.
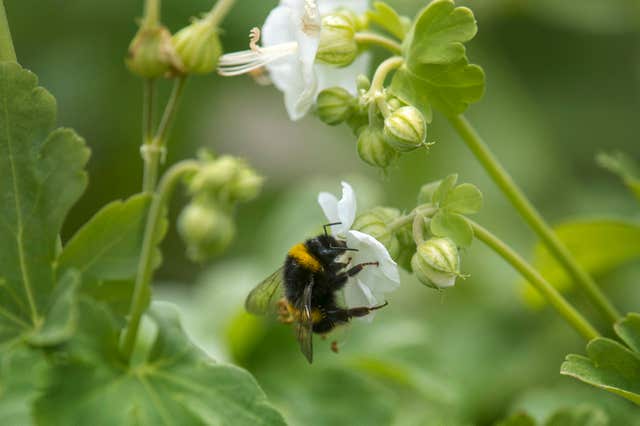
x=220 y=11
x=154 y=149
x=142 y=290
x=561 y=305
x=366 y=38
x=522 y=204
x=151 y=13
x=377 y=83
x=7 y=52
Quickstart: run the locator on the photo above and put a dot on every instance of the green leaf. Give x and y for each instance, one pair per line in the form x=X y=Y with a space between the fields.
x=623 y=166
x=518 y=419
x=445 y=187
x=448 y=88
x=21 y=374
x=454 y=226
x=388 y=19
x=41 y=177
x=599 y=246
x=464 y=199
x=60 y=319
x=108 y=246
x=583 y=415
x=439 y=33
x=176 y=384
x=610 y=365
x=436 y=73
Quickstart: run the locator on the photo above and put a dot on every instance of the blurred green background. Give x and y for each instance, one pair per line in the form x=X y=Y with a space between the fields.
x=563 y=83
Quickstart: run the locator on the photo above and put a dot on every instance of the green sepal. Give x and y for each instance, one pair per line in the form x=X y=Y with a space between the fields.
x=41 y=176
x=388 y=19
x=610 y=365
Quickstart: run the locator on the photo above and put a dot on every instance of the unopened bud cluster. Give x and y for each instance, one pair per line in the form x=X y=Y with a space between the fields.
x=206 y=224
x=380 y=140
x=154 y=53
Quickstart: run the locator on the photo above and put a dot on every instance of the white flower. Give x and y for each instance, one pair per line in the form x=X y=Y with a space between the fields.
x=290 y=38
x=367 y=288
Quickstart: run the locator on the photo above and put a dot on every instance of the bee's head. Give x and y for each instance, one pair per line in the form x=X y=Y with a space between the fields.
x=326 y=248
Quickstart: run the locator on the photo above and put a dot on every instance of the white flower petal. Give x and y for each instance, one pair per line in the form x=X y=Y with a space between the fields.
x=347 y=207
x=329 y=205
x=328 y=6
x=369 y=246
x=330 y=76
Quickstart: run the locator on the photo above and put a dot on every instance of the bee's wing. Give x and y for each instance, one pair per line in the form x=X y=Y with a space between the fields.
x=304 y=327
x=261 y=299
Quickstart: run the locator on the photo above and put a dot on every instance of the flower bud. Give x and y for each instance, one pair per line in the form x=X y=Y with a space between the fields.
x=151 y=53
x=334 y=105
x=363 y=83
x=205 y=229
x=436 y=263
x=374 y=149
x=405 y=129
x=337 y=40
x=226 y=179
x=198 y=46
x=374 y=222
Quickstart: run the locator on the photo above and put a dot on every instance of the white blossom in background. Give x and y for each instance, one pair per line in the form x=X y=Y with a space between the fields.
x=290 y=39
x=368 y=287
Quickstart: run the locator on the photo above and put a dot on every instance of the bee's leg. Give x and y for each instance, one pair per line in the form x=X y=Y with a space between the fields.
x=345 y=315
x=339 y=280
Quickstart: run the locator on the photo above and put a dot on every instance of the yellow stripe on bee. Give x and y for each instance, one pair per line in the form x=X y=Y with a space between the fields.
x=316 y=315
x=300 y=253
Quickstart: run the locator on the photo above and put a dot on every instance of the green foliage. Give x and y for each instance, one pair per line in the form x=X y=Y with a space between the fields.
x=623 y=166
x=436 y=73
x=176 y=384
x=387 y=18
x=21 y=372
x=453 y=202
x=37 y=193
x=599 y=246
x=610 y=365
x=581 y=415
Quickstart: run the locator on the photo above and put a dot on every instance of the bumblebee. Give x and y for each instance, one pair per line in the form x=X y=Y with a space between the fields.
x=303 y=291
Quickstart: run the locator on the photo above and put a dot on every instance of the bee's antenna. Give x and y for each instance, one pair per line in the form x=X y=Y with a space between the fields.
x=329 y=224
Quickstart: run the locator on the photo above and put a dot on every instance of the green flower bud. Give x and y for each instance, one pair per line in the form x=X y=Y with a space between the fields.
x=436 y=263
x=405 y=129
x=374 y=222
x=374 y=149
x=334 y=105
x=205 y=229
x=226 y=179
x=198 y=46
x=151 y=53
x=363 y=83
x=337 y=40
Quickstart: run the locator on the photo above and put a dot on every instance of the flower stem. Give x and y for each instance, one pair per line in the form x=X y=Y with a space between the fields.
x=425 y=210
x=147 y=110
x=377 y=83
x=561 y=305
x=154 y=149
x=152 y=231
x=7 y=52
x=417 y=229
x=219 y=11
x=515 y=195
x=151 y=13
x=367 y=38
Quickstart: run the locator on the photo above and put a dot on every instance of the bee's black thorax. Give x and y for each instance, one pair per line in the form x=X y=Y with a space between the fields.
x=315 y=259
